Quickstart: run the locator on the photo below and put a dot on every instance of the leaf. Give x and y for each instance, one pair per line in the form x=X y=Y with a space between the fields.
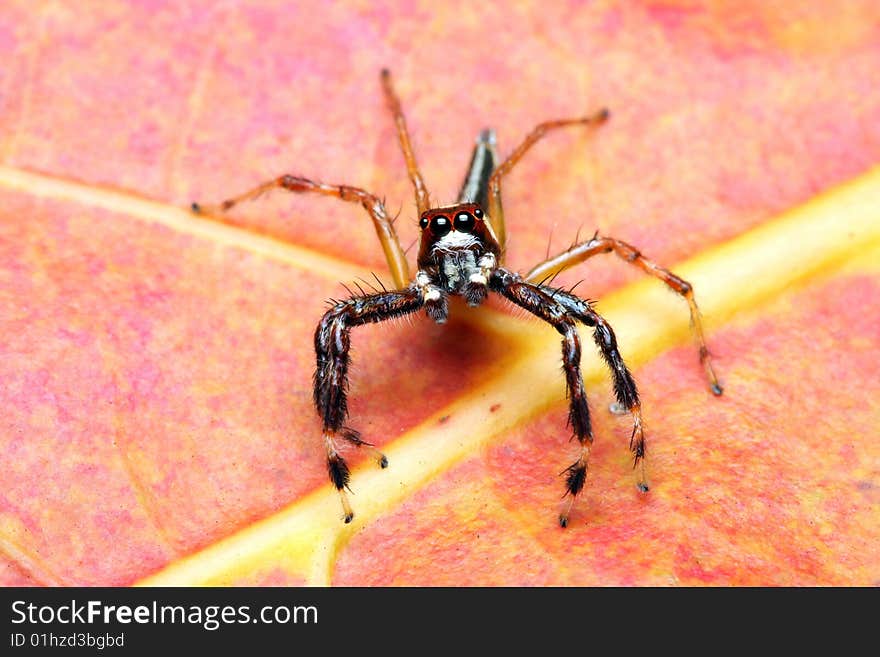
x=156 y=371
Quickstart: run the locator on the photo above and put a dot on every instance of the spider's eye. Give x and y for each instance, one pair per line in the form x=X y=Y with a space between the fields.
x=423 y=222
x=464 y=221
x=478 y=213
x=440 y=225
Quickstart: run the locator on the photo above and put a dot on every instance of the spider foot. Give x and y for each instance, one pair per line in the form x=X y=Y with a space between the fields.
x=706 y=362
x=348 y=514
x=566 y=510
x=198 y=208
x=380 y=458
x=340 y=475
x=641 y=474
x=600 y=117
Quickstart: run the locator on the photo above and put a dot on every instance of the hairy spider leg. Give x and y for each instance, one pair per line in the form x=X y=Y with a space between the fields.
x=421 y=191
x=624 y=385
x=496 y=211
x=372 y=204
x=579 y=252
x=332 y=346
x=541 y=303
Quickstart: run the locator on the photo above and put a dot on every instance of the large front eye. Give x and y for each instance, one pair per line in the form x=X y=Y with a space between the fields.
x=440 y=225
x=465 y=222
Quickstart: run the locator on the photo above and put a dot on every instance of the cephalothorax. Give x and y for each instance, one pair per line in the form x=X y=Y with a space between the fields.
x=461 y=253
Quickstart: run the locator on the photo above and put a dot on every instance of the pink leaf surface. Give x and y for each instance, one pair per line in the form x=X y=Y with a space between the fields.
x=155 y=379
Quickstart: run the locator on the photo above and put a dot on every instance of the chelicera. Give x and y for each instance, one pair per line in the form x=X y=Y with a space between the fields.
x=461 y=253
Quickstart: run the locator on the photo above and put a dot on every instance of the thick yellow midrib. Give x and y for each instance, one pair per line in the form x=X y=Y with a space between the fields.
x=179 y=219
x=305 y=537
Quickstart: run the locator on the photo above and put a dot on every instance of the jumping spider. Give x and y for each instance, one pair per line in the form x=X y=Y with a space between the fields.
x=461 y=253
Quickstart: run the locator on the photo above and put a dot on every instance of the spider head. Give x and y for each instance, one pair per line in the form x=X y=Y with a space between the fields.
x=454 y=239
x=457 y=228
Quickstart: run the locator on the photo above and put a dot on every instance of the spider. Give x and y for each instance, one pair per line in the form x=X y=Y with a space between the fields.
x=461 y=253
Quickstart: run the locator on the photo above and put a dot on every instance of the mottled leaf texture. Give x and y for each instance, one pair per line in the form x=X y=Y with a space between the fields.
x=156 y=417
